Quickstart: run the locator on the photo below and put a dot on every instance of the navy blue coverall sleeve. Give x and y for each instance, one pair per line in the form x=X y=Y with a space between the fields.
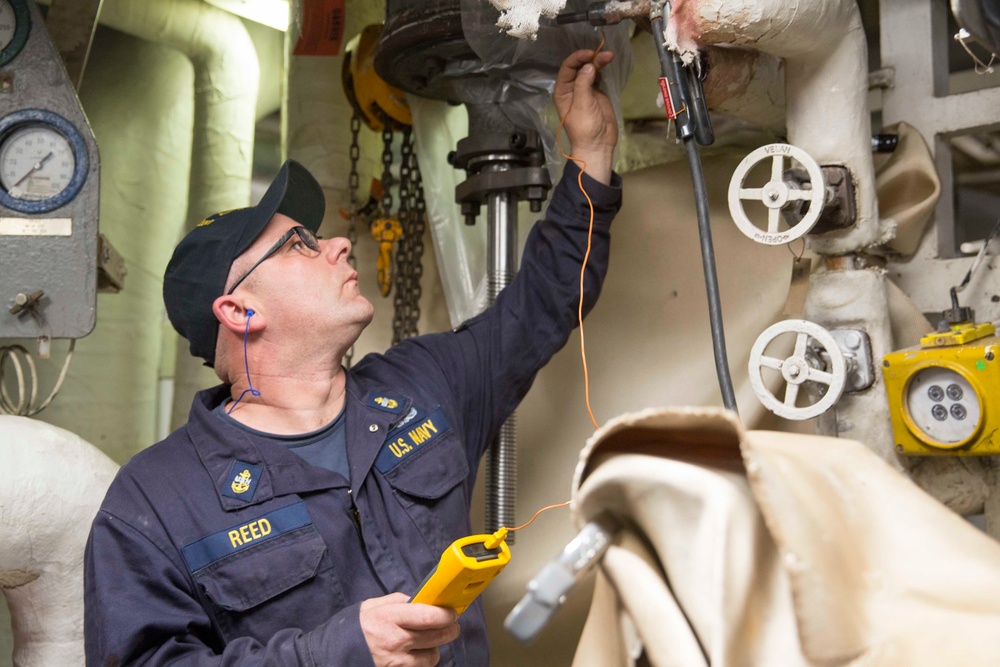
x=490 y=361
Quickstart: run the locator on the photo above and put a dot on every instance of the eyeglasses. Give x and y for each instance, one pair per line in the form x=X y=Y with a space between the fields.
x=309 y=240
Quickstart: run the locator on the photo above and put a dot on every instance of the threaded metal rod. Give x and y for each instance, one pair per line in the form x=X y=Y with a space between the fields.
x=501 y=458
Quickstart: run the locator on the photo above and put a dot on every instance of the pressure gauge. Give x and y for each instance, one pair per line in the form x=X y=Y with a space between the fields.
x=15 y=24
x=43 y=161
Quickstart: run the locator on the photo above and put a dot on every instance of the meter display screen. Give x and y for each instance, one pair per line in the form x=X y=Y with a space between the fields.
x=943 y=406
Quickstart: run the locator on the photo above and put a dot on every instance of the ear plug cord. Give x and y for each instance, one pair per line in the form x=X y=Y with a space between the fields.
x=246 y=362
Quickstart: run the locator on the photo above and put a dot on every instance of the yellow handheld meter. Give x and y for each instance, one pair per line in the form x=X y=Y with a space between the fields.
x=465 y=569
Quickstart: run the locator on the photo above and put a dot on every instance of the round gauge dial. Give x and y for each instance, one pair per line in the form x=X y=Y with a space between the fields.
x=8 y=23
x=36 y=162
x=43 y=161
x=15 y=23
x=943 y=407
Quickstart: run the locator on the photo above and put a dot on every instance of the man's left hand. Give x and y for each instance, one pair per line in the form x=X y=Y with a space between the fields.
x=589 y=117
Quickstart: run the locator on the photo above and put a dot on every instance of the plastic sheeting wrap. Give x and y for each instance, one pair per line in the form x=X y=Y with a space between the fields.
x=519 y=75
x=524 y=71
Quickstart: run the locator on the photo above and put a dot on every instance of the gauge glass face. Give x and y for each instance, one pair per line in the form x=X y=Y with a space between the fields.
x=943 y=405
x=8 y=23
x=36 y=162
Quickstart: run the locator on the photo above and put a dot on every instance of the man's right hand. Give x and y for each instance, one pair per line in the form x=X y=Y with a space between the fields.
x=400 y=634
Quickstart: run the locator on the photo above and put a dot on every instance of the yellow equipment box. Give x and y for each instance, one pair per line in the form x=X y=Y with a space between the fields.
x=943 y=395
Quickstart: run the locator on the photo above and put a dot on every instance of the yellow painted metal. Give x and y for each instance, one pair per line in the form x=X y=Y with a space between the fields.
x=375 y=100
x=974 y=362
x=958 y=334
x=386 y=231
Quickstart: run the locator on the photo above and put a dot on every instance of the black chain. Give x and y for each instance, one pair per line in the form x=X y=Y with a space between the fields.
x=401 y=268
x=352 y=189
x=352 y=186
x=409 y=253
x=386 y=170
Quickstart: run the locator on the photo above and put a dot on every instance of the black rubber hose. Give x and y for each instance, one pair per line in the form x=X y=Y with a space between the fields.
x=711 y=280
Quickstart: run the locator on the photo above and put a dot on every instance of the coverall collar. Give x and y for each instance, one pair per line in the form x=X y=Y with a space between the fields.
x=371 y=414
x=223 y=447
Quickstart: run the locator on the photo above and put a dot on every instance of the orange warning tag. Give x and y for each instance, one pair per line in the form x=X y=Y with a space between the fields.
x=322 y=28
x=668 y=101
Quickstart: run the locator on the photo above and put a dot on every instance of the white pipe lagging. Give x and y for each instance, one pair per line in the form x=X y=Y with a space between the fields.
x=826 y=85
x=226 y=73
x=54 y=482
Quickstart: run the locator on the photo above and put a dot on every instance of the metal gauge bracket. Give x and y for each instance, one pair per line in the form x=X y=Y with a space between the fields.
x=49 y=228
x=856 y=346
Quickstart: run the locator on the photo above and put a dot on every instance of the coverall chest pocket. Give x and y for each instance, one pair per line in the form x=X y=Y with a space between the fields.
x=429 y=487
x=285 y=581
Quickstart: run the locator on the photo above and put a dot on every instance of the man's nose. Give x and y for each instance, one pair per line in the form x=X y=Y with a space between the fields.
x=336 y=249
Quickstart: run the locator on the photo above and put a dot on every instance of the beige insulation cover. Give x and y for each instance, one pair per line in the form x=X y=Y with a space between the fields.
x=766 y=548
x=908 y=187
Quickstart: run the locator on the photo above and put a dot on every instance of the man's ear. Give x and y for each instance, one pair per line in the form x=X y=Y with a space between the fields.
x=232 y=314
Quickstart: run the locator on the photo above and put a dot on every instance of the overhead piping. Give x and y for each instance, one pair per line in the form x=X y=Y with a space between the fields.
x=826 y=65
x=226 y=77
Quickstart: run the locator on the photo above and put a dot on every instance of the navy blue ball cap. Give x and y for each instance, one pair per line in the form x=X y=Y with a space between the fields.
x=197 y=272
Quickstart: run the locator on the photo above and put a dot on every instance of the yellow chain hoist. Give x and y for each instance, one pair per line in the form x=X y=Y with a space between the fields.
x=373 y=98
x=386 y=231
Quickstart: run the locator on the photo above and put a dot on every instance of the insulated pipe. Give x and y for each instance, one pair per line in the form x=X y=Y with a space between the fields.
x=826 y=85
x=54 y=482
x=501 y=458
x=226 y=74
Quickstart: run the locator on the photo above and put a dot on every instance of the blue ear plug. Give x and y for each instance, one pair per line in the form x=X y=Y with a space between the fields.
x=246 y=361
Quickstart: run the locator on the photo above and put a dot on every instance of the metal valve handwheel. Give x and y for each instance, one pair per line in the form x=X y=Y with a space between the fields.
x=798 y=369
x=776 y=194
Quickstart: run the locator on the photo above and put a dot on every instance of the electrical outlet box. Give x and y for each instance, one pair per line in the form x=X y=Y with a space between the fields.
x=943 y=398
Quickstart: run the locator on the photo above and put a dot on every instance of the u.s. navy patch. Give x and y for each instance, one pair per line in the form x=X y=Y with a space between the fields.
x=393 y=404
x=415 y=434
x=216 y=546
x=241 y=482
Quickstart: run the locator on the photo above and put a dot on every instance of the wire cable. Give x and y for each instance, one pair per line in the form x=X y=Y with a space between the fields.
x=711 y=279
x=544 y=509
x=586 y=255
x=23 y=402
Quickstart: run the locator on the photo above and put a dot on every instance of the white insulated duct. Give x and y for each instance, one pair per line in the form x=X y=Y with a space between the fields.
x=826 y=85
x=59 y=480
x=54 y=482
x=226 y=80
x=226 y=73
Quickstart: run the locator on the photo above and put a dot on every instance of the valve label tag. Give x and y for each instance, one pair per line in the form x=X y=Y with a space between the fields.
x=668 y=101
x=322 y=28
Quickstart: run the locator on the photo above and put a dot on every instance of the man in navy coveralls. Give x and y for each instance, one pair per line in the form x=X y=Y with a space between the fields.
x=289 y=521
